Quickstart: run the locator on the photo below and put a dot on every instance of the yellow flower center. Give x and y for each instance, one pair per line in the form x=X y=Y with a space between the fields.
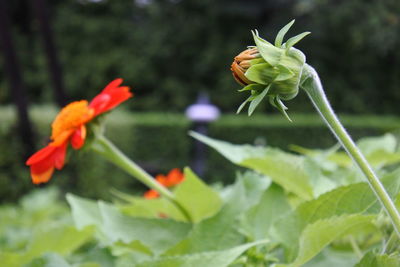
x=70 y=118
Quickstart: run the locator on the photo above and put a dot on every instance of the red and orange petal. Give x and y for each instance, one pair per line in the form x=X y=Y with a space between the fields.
x=78 y=137
x=151 y=194
x=112 y=95
x=43 y=162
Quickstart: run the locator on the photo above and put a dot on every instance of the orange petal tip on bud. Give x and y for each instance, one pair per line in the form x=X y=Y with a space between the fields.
x=241 y=63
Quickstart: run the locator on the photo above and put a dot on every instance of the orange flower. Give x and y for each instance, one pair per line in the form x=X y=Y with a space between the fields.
x=69 y=127
x=174 y=177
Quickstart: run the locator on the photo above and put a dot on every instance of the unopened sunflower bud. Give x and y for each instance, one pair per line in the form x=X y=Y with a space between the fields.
x=270 y=70
x=241 y=63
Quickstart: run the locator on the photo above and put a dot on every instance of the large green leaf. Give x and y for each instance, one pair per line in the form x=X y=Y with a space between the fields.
x=199 y=199
x=220 y=231
x=210 y=259
x=49 y=260
x=345 y=200
x=157 y=234
x=259 y=218
x=61 y=239
x=151 y=208
x=333 y=258
x=285 y=169
x=372 y=259
x=379 y=151
x=385 y=142
x=318 y=235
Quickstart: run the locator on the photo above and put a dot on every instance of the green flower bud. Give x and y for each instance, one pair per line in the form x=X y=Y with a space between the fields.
x=270 y=70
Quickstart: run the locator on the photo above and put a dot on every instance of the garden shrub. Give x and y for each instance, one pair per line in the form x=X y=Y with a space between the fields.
x=159 y=142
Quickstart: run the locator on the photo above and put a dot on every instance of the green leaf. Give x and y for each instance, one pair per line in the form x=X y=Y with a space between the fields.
x=372 y=259
x=318 y=235
x=49 y=260
x=259 y=218
x=254 y=185
x=285 y=169
x=345 y=200
x=330 y=257
x=257 y=100
x=157 y=234
x=85 y=212
x=281 y=33
x=294 y=40
x=151 y=208
x=269 y=52
x=220 y=231
x=262 y=73
x=61 y=239
x=199 y=199
x=370 y=145
x=219 y=258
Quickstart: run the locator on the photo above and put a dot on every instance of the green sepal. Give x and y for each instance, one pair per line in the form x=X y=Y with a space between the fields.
x=257 y=61
x=243 y=104
x=252 y=86
x=271 y=100
x=268 y=51
x=284 y=73
x=281 y=34
x=257 y=100
x=262 y=73
x=281 y=107
x=295 y=39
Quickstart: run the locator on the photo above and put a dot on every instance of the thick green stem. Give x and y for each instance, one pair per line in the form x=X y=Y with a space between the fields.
x=312 y=85
x=108 y=150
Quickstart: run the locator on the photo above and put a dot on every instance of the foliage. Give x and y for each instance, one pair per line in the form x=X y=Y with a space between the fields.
x=85 y=176
x=260 y=220
x=353 y=46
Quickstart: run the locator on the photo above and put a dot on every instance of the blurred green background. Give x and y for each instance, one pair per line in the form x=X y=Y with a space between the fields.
x=170 y=50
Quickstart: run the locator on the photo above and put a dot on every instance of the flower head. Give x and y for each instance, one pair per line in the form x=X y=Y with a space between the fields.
x=270 y=70
x=174 y=177
x=69 y=127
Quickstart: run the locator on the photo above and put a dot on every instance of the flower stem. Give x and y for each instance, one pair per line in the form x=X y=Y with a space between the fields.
x=312 y=85
x=355 y=247
x=390 y=245
x=108 y=150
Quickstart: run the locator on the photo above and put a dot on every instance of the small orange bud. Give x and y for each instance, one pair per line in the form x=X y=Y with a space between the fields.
x=241 y=63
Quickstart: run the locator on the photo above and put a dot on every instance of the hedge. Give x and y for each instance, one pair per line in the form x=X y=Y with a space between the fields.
x=159 y=142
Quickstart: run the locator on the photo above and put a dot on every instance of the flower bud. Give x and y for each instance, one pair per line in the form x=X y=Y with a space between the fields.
x=270 y=70
x=241 y=63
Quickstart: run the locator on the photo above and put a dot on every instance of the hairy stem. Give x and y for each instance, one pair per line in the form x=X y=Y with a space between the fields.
x=108 y=150
x=355 y=247
x=312 y=85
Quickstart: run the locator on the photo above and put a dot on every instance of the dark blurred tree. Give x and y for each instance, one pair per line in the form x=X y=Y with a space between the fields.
x=355 y=48
x=169 y=50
